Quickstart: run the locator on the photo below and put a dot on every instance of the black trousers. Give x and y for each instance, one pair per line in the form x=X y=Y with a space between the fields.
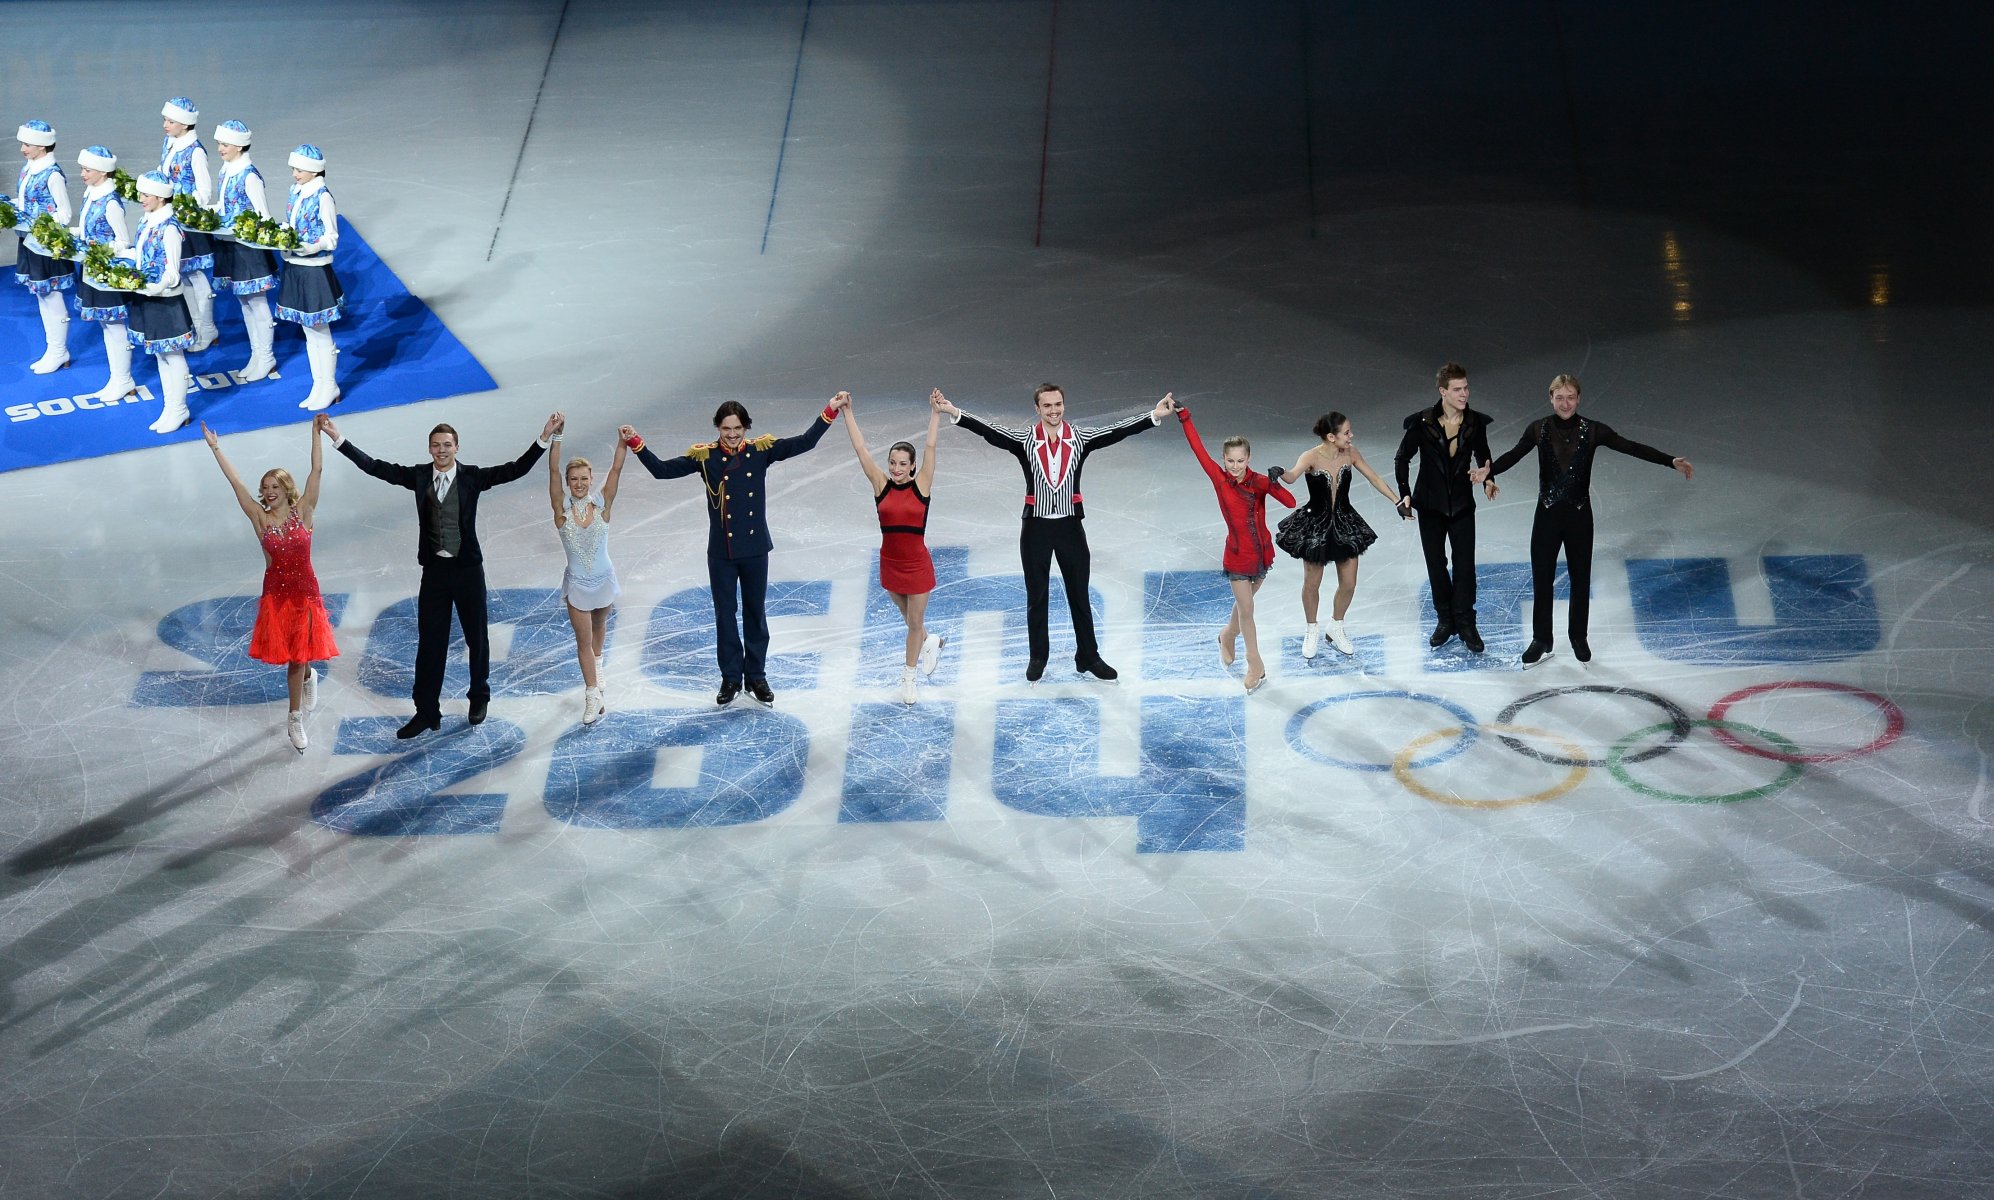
x=1566 y=527
x=747 y=579
x=446 y=584
x=1042 y=540
x=1453 y=594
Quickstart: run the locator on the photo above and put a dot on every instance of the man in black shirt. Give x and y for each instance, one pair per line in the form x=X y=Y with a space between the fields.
x=1565 y=443
x=1447 y=437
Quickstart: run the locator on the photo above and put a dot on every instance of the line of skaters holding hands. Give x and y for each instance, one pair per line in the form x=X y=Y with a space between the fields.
x=173 y=313
x=1449 y=439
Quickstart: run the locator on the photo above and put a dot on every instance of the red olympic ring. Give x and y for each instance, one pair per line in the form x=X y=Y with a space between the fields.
x=1893 y=721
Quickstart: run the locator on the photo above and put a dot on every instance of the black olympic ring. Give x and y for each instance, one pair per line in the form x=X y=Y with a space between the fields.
x=1678 y=722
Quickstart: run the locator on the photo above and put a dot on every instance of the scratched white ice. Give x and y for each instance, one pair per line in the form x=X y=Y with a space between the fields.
x=1708 y=916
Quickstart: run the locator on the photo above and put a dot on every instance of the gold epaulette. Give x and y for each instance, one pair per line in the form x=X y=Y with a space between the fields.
x=698 y=451
x=764 y=442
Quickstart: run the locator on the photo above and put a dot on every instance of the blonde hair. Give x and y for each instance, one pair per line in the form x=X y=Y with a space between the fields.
x=1570 y=381
x=577 y=461
x=284 y=481
x=1235 y=440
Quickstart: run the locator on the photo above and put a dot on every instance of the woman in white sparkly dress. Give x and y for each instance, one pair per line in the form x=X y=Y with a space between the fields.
x=581 y=517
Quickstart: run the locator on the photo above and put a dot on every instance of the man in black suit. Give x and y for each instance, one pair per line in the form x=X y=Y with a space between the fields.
x=453 y=566
x=1448 y=439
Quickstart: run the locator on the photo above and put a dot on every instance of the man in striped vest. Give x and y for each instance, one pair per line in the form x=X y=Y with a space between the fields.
x=1052 y=453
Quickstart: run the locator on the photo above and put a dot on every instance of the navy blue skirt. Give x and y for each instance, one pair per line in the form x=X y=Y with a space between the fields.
x=41 y=273
x=309 y=295
x=246 y=269
x=196 y=250
x=159 y=323
x=95 y=305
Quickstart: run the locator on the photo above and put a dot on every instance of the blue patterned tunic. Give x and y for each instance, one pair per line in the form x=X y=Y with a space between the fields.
x=178 y=166
x=98 y=230
x=233 y=194
x=151 y=254
x=36 y=198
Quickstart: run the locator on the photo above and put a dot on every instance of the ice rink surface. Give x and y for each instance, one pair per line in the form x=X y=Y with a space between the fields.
x=1351 y=935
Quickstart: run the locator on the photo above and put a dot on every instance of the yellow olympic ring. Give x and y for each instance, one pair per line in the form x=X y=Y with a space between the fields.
x=1402 y=769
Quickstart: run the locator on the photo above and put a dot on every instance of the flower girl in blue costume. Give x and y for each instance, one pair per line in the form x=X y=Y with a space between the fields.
x=102 y=222
x=44 y=190
x=184 y=160
x=248 y=271
x=159 y=319
x=310 y=294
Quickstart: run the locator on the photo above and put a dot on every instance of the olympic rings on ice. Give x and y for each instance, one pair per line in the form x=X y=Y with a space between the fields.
x=1616 y=763
x=1402 y=767
x=1893 y=721
x=1467 y=729
x=1678 y=723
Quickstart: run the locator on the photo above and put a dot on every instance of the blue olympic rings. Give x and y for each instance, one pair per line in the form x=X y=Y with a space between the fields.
x=1469 y=727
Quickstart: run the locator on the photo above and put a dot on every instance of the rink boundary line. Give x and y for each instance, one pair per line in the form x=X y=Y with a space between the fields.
x=546 y=67
x=789 y=115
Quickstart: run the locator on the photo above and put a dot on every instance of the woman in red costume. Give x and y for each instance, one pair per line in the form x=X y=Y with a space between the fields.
x=901 y=494
x=1249 y=551
x=291 y=626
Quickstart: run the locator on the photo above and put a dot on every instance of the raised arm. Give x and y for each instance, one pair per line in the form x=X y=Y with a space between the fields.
x=493 y=476
x=250 y=508
x=615 y=476
x=925 y=477
x=408 y=477
x=660 y=468
x=1204 y=456
x=803 y=443
x=554 y=488
x=1098 y=439
x=312 y=480
x=873 y=475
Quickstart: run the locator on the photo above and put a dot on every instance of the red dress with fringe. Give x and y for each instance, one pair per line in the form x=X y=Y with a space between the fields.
x=291 y=625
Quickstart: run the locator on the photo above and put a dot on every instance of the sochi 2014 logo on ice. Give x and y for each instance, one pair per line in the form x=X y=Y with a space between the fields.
x=1188 y=791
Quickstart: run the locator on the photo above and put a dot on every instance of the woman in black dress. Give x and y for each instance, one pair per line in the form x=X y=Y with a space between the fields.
x=1327 y=529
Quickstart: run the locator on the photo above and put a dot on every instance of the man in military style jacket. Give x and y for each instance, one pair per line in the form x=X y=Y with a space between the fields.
x=734 y=470
x=1448 y=439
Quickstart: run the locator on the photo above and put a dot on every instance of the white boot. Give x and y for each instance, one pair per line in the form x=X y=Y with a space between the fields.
x=200 y=296
x=118 y=349
x=309 y=693
x=261 y=328
x=319 y=350
x=907 y=685
x=173 y=380
x=931 y=653
x=591 y=705
x=55 y=332
x=1311 y=640
x=298 y=739
x=1340 y=639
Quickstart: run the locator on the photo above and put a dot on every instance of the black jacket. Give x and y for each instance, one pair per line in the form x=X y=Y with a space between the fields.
x=470 y=481
x=1443 y=487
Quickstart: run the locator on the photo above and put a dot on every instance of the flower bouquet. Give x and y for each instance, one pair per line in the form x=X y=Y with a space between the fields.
x=261 y=231
x=9 y=215
x=54 y=240
x=104 y=272
x=193 y=215
x=126 y=186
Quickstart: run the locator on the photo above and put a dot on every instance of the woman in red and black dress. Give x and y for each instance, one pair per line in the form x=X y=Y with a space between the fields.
x=292 y=629
x=901 y=494
x=1249 y=551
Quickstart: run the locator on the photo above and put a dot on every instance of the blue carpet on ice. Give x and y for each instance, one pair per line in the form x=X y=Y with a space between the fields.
x=392 y=350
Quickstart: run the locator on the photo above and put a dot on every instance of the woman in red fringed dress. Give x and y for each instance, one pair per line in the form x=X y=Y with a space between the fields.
x=292 y=629
x=1249 y=552
x=901 y=493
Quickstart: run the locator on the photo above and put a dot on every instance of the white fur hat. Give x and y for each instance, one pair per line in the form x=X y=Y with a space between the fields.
x=97 y=158
x=37 y=133
x=308 y=158
x=181 y=109
x=232 y=133
x=152 y=183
